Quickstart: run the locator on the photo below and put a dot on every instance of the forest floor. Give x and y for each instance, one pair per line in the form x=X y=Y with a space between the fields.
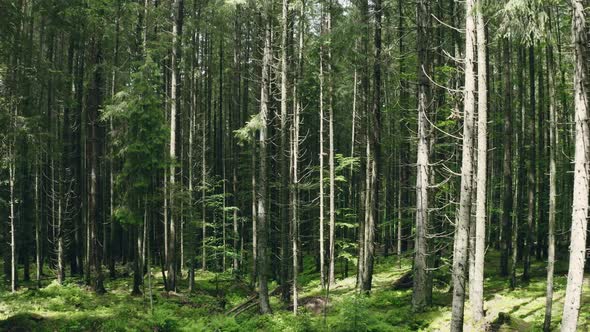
x=73 y=307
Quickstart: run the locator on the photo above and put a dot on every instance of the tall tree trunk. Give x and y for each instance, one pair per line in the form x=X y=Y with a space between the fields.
x=95 y=99
x=38 y=231
x=261 y=218
x=402 y=169
x=321 y=153
x=530 y=237
x=579 y=227
x=419 y=294
x=552 y=187
x=284 y=213
x=332 y=188
x=295 y=160
x=204 y=133
x=373 y=159
x=506 y=242
x=482 y=149
x=464 y=215
x=11 y=183
x=177 y=17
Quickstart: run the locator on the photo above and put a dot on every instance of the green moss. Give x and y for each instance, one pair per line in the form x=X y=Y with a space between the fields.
x=74 y=307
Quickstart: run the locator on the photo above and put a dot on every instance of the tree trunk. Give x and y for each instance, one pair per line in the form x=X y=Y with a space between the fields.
x=464 y=215
x=11 y=183
x=506 y=244
x=552 y=187
x=482 y=149
x=321 y=154
x=284 y=170
x=177 y=17
x=419 y=294
x=530 y=237
x=95 y=99
x=261 y=218
x=373 y=131
x=579 y=227
x=295 y=160
x=332 y=194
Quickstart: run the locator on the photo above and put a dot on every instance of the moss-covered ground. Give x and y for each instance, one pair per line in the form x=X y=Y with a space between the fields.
x=74 y=307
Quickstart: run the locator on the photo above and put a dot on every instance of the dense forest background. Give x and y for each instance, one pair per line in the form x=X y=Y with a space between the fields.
x=341 y=165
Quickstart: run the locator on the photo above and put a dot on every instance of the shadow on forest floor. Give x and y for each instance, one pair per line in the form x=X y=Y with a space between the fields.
x=73 y=307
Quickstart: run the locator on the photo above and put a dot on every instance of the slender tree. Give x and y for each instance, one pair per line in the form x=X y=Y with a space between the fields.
x=261 y=192
x=476 y=297
x=464 y=214
x=420 y=270
x=578 y=230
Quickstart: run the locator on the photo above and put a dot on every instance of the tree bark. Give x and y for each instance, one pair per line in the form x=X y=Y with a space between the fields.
x=419 y=294
x=482 y=149
x=177 y=17
x=506 y=244
x=552 y=187
x=261 y=218
x=332 y=188
x=530 y=237
x=462 y=225
x=579 y=226
x=283 y=150
x=95 y=99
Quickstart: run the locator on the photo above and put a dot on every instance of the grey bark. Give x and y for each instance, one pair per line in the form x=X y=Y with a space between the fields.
x=482 y=149
x=420 y=269
x=579 y=226
x=462 y=224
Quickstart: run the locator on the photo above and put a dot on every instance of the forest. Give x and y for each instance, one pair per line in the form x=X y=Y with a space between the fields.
x=294 y=165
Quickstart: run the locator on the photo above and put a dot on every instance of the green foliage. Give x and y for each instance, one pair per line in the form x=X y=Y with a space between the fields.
x=163 y=319
x=141 y=142
x=525 y=20
x=247 y=133
x=354 y=314
x=125 y=216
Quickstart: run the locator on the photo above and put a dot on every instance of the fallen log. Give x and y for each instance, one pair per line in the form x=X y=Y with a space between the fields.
x=249 y=303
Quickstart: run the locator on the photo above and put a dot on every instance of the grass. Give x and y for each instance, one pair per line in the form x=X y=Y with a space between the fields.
x=73 y=307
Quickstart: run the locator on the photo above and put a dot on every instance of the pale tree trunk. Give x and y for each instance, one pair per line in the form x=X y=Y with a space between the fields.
x=352 y=144
x=321 y=157
x=204 y=191
x=482 y=149
x=112 y=244
x=235 y=118
x=332 y=194
x=254 y=217
x=174 y=104
x=38 y=240
x=284 y=220
x=552 y=188
x=403 y=96
x=11 y=182
x=262 y=246
x=295 y=161
x=223 y=216
x=420 y=270
x=191 y=132
x=60 y=239
x=364 y=182
x=462 y=224
x=579 y=226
